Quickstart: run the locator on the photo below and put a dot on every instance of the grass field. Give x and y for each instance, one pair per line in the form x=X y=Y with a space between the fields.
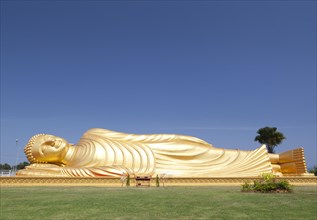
x=155 y=203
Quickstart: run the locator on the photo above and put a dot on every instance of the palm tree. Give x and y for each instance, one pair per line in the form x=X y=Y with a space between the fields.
x=270 y=137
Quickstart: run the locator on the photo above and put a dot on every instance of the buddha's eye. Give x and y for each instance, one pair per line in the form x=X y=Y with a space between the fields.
x=51 y=143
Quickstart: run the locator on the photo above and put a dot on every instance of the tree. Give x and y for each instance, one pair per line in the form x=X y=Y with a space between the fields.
x=5 y=166
x=22 y=165
x=313 y=170
x=270 y=137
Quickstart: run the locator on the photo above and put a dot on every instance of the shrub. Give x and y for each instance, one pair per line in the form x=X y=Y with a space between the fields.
x=247 y=187
x=267 y=176
x=128 y=180
x=284 y=185
x=157 y=181
x=267 y=184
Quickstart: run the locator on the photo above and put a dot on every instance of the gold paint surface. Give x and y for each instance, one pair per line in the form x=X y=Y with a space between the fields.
x=116 y=182
x=105 y=153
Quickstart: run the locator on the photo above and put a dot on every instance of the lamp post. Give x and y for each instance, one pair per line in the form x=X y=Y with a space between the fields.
x=16 y=162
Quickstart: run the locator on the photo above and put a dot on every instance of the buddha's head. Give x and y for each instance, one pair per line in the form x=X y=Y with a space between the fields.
x=45 y=148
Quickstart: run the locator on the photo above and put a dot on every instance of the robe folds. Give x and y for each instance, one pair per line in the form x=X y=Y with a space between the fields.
x=102 y=152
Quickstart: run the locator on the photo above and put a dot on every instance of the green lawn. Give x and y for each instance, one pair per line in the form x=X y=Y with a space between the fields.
x=155 y=203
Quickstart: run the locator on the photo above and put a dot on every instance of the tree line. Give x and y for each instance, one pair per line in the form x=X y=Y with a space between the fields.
x=7 y=166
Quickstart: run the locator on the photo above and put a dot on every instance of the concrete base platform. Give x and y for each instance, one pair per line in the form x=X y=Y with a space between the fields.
x=115 y=182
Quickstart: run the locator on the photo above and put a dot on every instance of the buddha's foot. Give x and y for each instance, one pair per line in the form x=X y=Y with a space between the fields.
x=292 y=155
x=293 y=161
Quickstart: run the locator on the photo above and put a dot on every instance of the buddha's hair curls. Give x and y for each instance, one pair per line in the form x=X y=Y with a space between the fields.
x=28 y=149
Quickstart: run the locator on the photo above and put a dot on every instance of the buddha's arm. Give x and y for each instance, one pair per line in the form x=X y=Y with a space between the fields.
x=52 y=170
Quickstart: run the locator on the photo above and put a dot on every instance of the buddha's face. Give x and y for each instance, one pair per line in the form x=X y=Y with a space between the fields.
x=49 y=148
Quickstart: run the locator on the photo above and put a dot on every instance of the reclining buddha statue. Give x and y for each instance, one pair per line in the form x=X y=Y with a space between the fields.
x=101 y=152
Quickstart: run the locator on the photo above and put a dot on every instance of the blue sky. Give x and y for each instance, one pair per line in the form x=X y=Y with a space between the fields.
x=217 y=70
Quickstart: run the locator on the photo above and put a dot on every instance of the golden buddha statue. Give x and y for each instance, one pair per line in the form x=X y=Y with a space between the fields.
x=101 y=152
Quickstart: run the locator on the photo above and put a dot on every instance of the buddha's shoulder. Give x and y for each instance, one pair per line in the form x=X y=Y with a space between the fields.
x=146 y=138
x=98 y=130
x=104 y=133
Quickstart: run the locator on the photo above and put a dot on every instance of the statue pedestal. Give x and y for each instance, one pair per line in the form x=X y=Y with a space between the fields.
x=116 y=182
